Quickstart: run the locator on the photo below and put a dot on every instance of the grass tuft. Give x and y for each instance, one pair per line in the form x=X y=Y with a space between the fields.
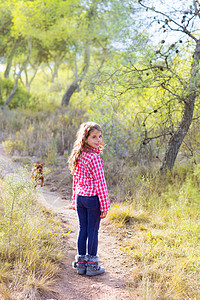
x=31 y=244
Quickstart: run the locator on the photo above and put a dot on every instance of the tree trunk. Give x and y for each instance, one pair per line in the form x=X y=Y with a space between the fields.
x=13 y=91
x=178 y=136
x=55 y=69
x=76 y=72
x=28 y=82
x=10 y=58
x=74 y=85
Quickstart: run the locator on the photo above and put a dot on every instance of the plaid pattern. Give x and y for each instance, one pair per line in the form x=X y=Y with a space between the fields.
x=89 y=178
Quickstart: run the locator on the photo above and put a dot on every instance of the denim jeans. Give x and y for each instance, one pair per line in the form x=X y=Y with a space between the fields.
x=88 y=210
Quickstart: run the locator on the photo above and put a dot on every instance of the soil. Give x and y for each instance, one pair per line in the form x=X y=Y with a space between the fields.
x=114 y=283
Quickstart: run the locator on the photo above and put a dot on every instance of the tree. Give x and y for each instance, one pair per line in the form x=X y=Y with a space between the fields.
x=64 y=33
x=52 y=27
x=22 y=68
x=12 y=45
x=104 y=26
x=90 y=31
x=181 y=87
x=8 y=43
x=76 y=82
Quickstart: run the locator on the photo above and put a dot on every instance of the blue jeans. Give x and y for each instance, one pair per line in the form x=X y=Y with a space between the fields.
x=88 y=210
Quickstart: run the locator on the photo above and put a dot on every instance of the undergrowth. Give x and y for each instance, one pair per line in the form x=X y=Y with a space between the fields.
x=44 y=134
x=31 y=243
x=161 y=231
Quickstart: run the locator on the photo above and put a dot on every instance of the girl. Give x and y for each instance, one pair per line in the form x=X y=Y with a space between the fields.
x=89 y=195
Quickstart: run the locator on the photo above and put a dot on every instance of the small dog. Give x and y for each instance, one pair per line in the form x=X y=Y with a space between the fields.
x=37 y=174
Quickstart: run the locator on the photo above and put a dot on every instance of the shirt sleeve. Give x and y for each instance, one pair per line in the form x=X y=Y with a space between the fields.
x=74 y=189
x=98 y=175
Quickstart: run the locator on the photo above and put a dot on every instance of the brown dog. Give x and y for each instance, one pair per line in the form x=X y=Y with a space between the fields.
x=37 y=174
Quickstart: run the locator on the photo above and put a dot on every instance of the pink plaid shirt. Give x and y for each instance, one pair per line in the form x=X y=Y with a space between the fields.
x=89 y=178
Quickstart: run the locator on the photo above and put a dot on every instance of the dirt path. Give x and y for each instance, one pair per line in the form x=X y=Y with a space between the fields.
x=109 y=286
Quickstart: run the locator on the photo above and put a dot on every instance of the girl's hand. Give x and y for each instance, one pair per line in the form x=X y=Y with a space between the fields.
x=103 y=214
x=73 y=207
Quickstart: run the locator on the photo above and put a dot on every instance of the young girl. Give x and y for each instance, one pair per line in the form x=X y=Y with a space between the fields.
x=90 y=197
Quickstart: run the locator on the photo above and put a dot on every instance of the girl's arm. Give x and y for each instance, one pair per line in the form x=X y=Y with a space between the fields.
x=74 y=191
x=98 y=174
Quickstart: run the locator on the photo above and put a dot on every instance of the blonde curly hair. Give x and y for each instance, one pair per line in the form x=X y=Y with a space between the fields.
x=80 y=145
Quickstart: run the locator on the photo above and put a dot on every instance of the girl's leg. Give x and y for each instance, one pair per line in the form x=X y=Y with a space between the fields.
x=88 y=210
x=93 y=218
x=83 y=220
x=93 y=267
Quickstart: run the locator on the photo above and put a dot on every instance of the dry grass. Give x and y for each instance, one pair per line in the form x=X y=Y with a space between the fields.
x=162 y=237
x=31 y=245
x=42 y=133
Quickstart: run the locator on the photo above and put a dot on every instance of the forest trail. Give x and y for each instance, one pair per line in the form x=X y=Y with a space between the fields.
x=112 y=285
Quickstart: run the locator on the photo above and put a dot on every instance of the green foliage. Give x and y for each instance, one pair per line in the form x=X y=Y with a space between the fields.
x=22 y=97
x=5 y=25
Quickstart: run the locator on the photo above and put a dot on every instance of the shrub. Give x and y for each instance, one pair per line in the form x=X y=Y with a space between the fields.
x=20 y=99
x=31 y=245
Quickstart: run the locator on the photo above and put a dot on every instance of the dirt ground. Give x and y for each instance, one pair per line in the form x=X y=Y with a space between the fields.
x=113 y=284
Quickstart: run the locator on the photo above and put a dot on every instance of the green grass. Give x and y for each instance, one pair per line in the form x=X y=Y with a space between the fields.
x=31 y=243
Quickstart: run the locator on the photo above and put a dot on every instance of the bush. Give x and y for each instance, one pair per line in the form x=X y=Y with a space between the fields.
x=21 y=98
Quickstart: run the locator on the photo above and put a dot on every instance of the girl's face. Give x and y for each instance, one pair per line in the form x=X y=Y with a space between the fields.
x=94 y=139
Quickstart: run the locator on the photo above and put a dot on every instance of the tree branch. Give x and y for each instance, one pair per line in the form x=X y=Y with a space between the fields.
x=197 y=11
x=183 y=28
